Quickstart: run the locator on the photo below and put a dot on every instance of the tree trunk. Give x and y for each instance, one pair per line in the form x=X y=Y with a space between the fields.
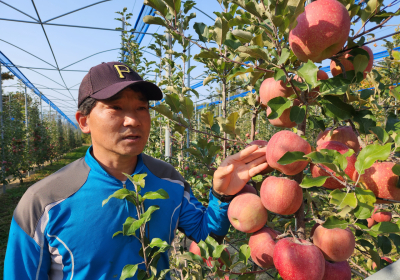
x=253 y=124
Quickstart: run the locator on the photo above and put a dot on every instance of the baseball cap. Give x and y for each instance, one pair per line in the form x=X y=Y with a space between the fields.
x=107 y=79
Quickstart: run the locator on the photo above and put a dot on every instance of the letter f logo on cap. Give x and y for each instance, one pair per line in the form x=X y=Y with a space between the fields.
x=122 y=69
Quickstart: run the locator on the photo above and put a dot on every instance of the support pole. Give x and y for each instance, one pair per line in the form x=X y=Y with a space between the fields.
x=2 y=135
x=168 y=147
x=188 y=85
x=26 y=123
x=41 y=109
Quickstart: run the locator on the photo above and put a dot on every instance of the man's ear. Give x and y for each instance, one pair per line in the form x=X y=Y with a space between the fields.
x=82 y=122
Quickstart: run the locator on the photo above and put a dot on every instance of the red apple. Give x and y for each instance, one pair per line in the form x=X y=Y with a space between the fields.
x=336 y=244
x=350 y=170
x=343 y=134
x=348 y=65
x=270 y=89
x=262 y=246
x=281 y=195
x=286 y=141
x=337 y=271
x=380 y=179
x=382 y=217
x=248 y=189
x=246 y=213
x=371 y=222
x=298 y=260
x=321 y=31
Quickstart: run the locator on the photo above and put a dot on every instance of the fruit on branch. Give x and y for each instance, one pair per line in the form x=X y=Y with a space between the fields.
x=321 y=31
x=262 y=246
x=371 y=222
x=380 y=179
x=195 y=249
x=248 y=189
x=270 y=89
x=281 y=195
x=383 y=258
x=298 y=260
x=284 y=119
x=286 y=141
x=348 y=65
x=343 y=134
x=382 y=217
x=350 y=170
x=337 y=271
x=246 y=213
x=336 y=244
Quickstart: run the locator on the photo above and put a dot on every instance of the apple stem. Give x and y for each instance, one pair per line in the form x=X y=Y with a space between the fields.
x=296 y=240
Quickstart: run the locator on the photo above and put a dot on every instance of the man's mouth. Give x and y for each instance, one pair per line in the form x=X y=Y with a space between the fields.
x=132 y=137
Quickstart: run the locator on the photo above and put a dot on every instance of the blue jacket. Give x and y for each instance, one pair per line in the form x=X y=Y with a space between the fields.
x=60 y=230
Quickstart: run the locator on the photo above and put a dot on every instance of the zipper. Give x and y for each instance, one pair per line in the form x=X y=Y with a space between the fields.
x=123 y=184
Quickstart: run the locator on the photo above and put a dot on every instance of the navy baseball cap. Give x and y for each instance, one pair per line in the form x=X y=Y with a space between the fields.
x=107 y=79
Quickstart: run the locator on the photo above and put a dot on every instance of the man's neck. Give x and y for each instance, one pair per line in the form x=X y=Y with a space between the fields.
x=115 y=164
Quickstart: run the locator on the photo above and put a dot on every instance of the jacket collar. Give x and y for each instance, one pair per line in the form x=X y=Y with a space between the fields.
x=95 y=166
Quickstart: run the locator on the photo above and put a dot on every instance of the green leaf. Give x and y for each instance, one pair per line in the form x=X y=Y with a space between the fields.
x=208 y=80
x=228 y=125
x=127 y=224
x=194 y=152
x=284 y=56
x=159 y=194
x=239 y=71
x=255 y=52
x=329 y=158
x=278 y=105
x=231 y=41
x=335 y=108
x=290 y=157
x=360 y=62
x=243 y=36
x=308 y=71
x=144 y=218
x=201 y=30
x=385 y=244
x=318 y=122
x=164 y=110
x=366 y=93
x=342 y=199
x=367 y=157
x=366 y=200
x=238 y=20
x=128 y=271
x=220 y=29
x=218 y=250
x=207 y=54
x=333 y=222
x=157 y=242
x=154 y=20
x=244 y=253
x=117 y=233
x=207 y=118
x=385 y=227
x=173 y=101
x=371 y=8
x=186 y=107
x=157 y=5
x=396 y=169
x=119 y=194
x=396 y=241
x=392 y=123
x=203 y=249
x=379 y=132
x=309 y=182
x=365 y=120
x=279 y=75
x=297 y=114
x=335 y=91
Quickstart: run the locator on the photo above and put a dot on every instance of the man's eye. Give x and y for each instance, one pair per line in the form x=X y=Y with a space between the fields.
x=116 y=107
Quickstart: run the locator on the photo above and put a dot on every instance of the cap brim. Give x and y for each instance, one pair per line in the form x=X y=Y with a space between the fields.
x=151 y=92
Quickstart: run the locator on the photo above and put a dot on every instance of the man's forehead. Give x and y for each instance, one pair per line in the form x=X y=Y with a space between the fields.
x=129 y=93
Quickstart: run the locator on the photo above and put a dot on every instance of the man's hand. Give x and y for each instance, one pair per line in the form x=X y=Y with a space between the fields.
x=236 y=170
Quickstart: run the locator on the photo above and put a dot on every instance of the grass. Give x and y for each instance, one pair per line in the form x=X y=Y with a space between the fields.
x=10 y=199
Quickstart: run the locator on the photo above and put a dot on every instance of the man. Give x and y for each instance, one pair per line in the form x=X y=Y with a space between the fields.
x=60 y=229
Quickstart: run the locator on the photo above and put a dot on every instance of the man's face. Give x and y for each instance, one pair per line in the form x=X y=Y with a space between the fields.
x=121 y=126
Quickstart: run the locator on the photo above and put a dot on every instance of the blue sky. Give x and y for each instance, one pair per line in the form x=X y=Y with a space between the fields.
x=72 y=44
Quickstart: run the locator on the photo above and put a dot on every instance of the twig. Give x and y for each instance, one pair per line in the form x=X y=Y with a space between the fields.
x=360 y=268
x=360 y=141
